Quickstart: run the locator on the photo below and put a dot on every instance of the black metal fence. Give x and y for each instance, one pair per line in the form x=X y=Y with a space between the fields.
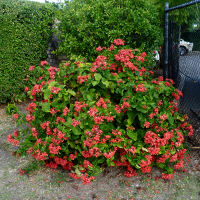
x=182 y=60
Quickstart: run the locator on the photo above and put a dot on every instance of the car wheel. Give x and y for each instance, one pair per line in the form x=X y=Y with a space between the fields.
x=182 y=51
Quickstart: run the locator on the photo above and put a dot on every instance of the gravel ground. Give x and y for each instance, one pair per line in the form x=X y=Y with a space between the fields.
x=46 y=184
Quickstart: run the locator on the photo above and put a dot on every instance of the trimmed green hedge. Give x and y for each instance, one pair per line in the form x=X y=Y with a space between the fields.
x=24 y=35
x=87 y=24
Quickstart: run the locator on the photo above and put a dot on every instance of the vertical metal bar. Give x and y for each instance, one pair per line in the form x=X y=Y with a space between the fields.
x=166 y=42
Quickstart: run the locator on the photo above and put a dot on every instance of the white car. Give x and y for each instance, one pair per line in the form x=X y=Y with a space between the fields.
x=185 y=47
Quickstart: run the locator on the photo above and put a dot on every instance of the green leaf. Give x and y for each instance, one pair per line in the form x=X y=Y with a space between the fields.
x=95 y=83
x=71 y=92
x=47 y=94
x=110 y=162
x=132 y=115
x=77 y=172
x=96 y=170
x=132 y=135
x=76 y=130
x=52 y=84
x=97 y=76
x=142 y=110
x=89 y=97
x=106 y=83
x=46 y=107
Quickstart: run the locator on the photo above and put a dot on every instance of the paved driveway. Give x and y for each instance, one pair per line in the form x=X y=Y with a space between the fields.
x=189 y=66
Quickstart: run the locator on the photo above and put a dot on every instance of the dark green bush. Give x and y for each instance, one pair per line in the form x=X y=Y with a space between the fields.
x=24 y=35
x=87 y=24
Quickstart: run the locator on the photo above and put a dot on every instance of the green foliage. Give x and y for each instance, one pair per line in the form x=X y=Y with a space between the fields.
x=88 y=24
x=180 y=16
x=111 y=112
x=11 y=109
x=24 y=35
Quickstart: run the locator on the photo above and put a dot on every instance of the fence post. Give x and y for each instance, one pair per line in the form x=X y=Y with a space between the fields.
x=166 y=42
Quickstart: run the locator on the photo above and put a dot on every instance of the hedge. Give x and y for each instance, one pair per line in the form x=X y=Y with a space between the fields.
x=24 y=36
x=87 y=24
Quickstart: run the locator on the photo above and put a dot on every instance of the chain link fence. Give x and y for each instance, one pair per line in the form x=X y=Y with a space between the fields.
x=184 y=69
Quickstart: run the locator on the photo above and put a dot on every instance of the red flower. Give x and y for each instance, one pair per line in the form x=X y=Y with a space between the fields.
x=45 y=124
x=92 y=111
x=111 y=48
x=140 y=88
x=12 y=141
x=109 y=155
x=119 y=42
x=22 y=172
x=146 y=124
x=40 y=156
x=54 y=149
x=100 y=48
x=79 y=105
x=146 y=169
x=86 y=163
x=53 y=111
x=42 y=63
x=179 y=164
x=102 y=103
x=55 y=90
x=153 y=150
x=130 y=174
x=163 y=117
x=74 y=176
x=31 y=107
x=65 y=111
x=167 y=176
x=52 y=165
x=52 y=71
x=31 y=68
x=30 y=118
x=82 y=79
x=73 y=156
x=66 y=64
x=26 y=89
x=36 y=89
x=75 y=123
x=34 y=132
x=143 y=54
x=15 y=133
x=118 y=109
x=16 y=116
x=86 y=180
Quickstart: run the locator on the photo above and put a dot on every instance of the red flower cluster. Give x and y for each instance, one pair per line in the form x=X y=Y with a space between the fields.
x=100 y=48
x=55 y=90
x=82 y=79
x=140 y=88
x=11 y=140
x=31 y=68
x=38 y=155
x=79 y=105
x=100 y=62
x=31 y=107
x=42 y=63
x=75 y=123
x=54 y=149
x=52 y=71
x=119 y=42
x=15 y=116
x=102 y=103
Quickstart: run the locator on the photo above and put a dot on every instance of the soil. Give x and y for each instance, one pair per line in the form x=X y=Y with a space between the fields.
x=46 y=184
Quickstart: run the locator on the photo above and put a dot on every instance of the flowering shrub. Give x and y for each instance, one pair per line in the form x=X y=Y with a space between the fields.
x=109 y=113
